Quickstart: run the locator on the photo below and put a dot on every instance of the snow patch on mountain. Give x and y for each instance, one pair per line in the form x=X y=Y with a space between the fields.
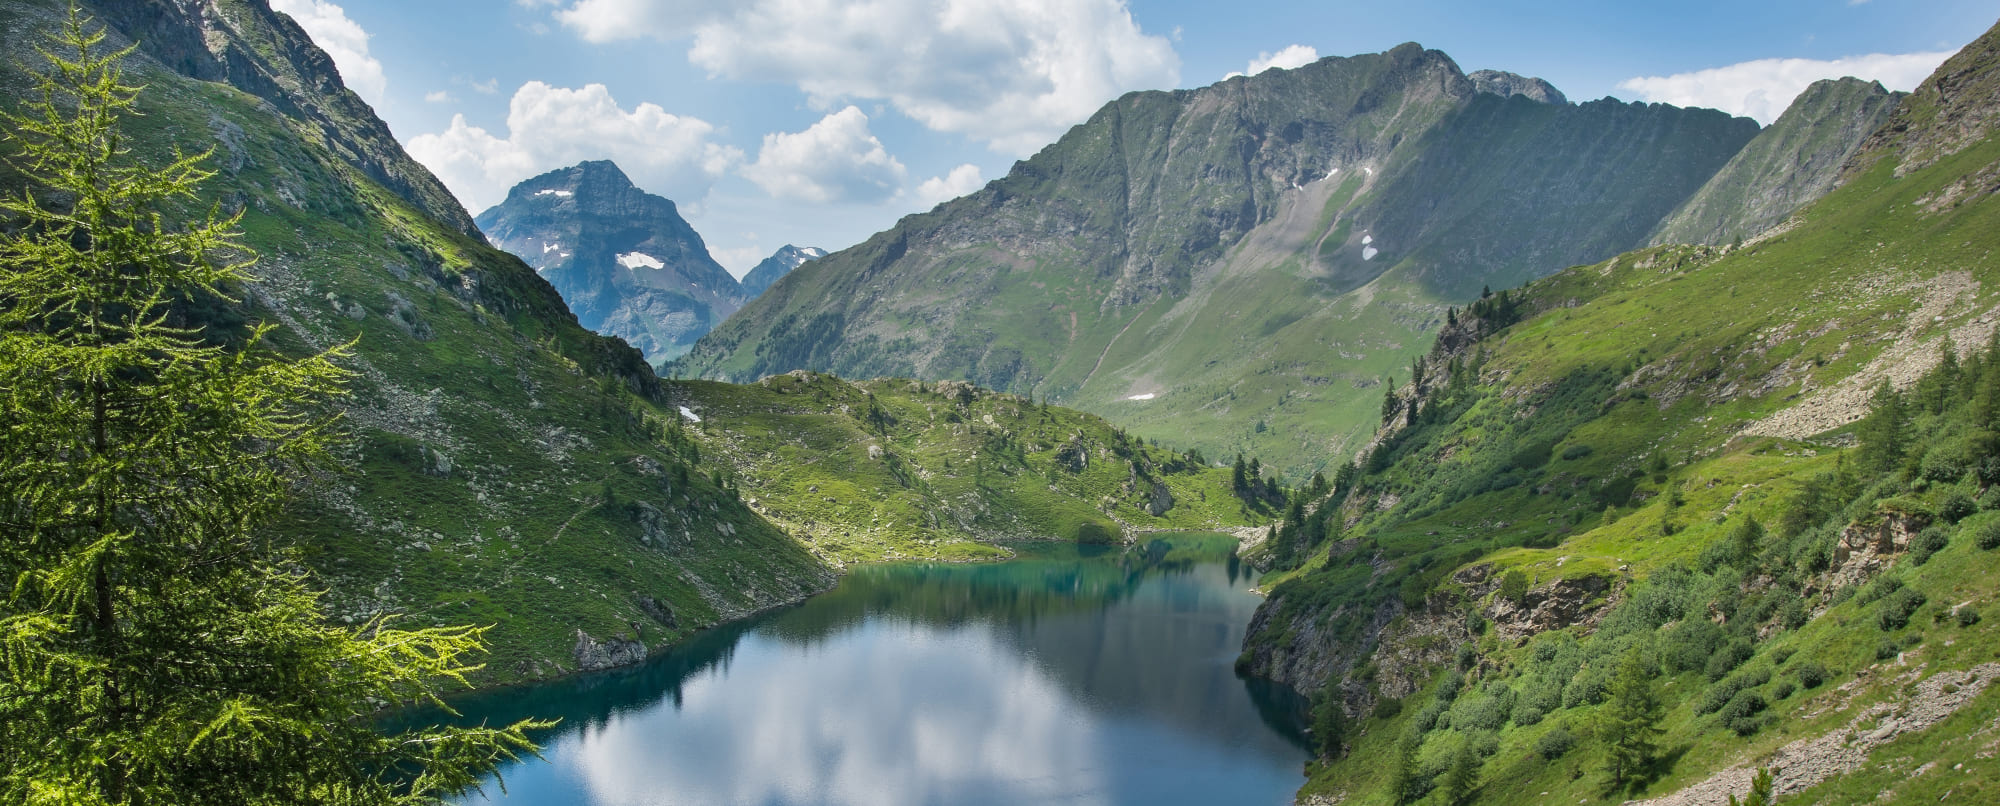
x=634 y=260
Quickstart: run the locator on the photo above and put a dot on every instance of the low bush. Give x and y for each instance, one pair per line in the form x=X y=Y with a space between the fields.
x=1810 y=674
x=1928 y=542
x=1555 y=744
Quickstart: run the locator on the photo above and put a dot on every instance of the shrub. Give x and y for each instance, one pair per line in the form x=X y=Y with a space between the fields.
x=1990 y=500
x=1427 y=719
x=1967 y=616
x=1810 y=674
x=1745 y=703
x=1887 y=649
x=1388 y=708
x=1690 y=643
x=1882 y=586
x=1527 y=715
x=1895 y=611
x=1986 y=533
x=1725 y=660
x=1955 y=506
x=1575 y=452
x=1928 y=542
x=1555 y=744
x=1783 y=690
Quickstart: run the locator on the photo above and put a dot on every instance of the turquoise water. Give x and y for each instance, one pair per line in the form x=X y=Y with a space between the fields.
x=1064 y=676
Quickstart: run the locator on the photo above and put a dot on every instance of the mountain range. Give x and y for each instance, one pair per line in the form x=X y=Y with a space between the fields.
x=1590 y=387
x=1241 y=267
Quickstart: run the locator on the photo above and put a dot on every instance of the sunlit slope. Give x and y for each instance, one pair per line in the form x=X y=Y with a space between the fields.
x=1656 y=449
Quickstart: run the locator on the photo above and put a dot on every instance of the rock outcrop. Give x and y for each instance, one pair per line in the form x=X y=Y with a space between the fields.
x=592 y=654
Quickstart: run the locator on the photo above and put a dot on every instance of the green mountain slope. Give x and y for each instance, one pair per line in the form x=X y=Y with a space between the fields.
x=623 y=259
x=492 y=436
x=1650 y=458
x=1790 y=163
x=896 y=469
x=1237 y=250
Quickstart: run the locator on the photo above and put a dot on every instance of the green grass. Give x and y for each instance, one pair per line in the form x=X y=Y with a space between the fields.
x=942 y=472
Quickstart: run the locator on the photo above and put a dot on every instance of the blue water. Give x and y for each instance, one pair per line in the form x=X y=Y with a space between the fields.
x=1063 y=676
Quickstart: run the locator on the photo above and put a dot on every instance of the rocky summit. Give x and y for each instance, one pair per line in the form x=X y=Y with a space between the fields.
x=624 y=259
x=779 y=264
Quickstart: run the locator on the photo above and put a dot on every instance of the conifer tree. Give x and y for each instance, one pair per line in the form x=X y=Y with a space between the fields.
x=1884 y=434
x=1631 y=719
x=156 y=645
x=1760 y=790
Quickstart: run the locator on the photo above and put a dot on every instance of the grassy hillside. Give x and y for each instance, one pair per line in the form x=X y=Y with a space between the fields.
x=498 y=452
x=1666 y=456
x=896 y=469
x=1256 y=256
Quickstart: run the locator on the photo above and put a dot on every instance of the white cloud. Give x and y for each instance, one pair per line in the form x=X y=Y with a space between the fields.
x=1762 y=89
x=1013 y=73
x=343 y=40
x=1291 y=57
x=439 y=97
x=836 y=159
x=490 y=86
x=939 y=189
x=551 y=127
x=739 y=260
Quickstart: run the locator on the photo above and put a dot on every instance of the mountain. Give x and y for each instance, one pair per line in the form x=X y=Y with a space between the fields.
x=624 y=259
x=779 y=264
x=1238 y=267
x=1763 y=477
x=504 y=466
x=1790 y=163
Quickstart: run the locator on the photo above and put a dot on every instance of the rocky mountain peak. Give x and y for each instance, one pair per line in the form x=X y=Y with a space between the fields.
x=624 y=259
x=1958 y=105
x=779 y=264
x=1505 y=84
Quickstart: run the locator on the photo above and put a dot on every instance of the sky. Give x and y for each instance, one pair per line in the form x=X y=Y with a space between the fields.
x=821 y=122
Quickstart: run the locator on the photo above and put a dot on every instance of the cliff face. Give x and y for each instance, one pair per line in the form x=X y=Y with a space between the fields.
x=1184 y=247
x=624 y=259
x=1794 y=161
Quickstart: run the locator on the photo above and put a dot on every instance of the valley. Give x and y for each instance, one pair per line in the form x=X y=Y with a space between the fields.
x=1454 y=440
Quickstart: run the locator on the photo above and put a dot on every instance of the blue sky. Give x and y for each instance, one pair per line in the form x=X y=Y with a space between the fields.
x=820 y=122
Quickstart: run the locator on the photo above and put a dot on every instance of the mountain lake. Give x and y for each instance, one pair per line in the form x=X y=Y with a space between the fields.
x=1071 y=675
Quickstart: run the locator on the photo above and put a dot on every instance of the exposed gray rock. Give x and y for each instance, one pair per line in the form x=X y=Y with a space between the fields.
x=591 y=654
x=1505 y=84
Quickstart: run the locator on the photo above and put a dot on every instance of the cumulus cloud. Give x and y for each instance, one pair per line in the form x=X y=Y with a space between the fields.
x=1291 y=57
x=939 y=189
x=343 y=40
x=836 y=159
x=551 y=127
x=439 y=97
x=1762 y=89
x=1013 y=73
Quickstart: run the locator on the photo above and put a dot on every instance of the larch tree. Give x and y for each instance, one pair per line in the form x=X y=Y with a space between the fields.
x=157 y=644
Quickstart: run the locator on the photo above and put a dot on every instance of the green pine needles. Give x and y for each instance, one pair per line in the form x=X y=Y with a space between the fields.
x=156 y=645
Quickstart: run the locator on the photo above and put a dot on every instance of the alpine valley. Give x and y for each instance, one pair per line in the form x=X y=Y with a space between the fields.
x=1593 y=452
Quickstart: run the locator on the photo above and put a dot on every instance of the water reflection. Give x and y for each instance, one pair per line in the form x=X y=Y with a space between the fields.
x=1060 y=677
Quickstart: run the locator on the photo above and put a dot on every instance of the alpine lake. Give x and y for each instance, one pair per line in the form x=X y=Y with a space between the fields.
x=1067 y=675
